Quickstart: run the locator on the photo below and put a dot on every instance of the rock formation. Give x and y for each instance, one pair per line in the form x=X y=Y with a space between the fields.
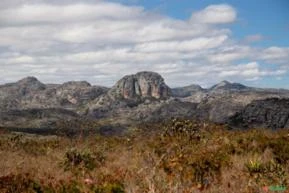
x=31 y=93
x=141 y=85
x=270 y=113
x=141 y=97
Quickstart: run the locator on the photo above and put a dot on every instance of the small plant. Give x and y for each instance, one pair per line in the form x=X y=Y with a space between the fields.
x=275 y=173
x=255 y=166
x=110 y=188
x=182 y=128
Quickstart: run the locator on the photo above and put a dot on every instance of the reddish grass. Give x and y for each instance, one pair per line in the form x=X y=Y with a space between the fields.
x=210 y=159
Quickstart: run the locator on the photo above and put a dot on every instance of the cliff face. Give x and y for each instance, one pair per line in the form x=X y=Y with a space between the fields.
x=141 y=85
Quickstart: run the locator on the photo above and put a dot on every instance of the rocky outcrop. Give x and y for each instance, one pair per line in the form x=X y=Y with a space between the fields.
x=78 y=93
x=225 y=99
x=141 y=85
x=128 y=94
x=31 y=93
x=270 y=113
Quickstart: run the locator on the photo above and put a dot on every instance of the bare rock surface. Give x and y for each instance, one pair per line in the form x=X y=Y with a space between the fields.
x=270 y=113
x=141 y=85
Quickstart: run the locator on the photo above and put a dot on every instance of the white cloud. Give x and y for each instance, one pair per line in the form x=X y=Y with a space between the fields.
x=39 y=14
x=101 y=41
x=250 y=71
x=275 y=53
x=215 y=14
x=183 y=46
x=230 y=53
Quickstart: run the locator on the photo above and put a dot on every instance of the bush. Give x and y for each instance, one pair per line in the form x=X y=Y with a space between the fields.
x=267 y=173
x=75 y=159
x=110 y=188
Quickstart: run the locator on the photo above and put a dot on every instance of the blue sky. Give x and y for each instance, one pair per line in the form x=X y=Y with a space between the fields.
x=186 y=41
x=267 y=17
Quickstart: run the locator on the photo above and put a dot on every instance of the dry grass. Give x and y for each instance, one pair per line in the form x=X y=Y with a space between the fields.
x=179 y=156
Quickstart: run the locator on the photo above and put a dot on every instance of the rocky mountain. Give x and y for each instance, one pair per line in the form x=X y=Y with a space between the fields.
x=31 y=93
x=228 y=86
x=130 y=95
x=20 y=101
x=225 y=99
x=140 y=85
x=270 y=113
x=141 y=97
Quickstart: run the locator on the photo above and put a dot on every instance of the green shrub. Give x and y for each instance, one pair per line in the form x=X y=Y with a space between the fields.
x=110 y=188
x=267 y=173
x=75 y=159
x=255 y=166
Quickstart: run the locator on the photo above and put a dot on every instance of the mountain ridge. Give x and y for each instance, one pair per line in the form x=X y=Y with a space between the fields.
x=140 y=97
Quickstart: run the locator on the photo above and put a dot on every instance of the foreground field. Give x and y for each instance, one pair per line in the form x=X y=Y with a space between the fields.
x=179 y=156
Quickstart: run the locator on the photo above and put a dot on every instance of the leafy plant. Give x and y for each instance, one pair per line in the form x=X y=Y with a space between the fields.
x=255 y=166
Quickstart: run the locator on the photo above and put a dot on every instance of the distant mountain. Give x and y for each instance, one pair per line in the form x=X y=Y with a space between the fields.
x=228 y=86
x=187 y=90
x=31 y=93
x=137 y=98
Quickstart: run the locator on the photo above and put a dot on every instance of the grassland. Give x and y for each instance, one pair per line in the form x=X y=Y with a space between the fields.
x=179 y=156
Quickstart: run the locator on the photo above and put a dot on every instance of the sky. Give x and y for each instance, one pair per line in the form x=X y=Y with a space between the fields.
x=186 y=41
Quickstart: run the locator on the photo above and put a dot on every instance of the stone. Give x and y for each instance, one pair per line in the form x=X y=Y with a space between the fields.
x=141 y=85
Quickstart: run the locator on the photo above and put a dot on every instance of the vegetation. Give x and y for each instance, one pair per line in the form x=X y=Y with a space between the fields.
x=176 y=156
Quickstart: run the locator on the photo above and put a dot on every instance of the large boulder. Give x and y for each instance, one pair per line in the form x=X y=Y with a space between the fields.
x=141 y=85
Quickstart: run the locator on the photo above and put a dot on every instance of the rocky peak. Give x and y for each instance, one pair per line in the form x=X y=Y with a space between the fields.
x=142 y=84
x=226 y=85
x=31 y=83
x=76 y=84
x=28 y=80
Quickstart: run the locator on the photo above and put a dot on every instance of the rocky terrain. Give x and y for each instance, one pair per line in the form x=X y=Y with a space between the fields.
x=31 y=93
x=269 y=113
x=142 y=97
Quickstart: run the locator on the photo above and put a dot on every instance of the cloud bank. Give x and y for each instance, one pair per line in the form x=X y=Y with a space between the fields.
x=101 y=41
